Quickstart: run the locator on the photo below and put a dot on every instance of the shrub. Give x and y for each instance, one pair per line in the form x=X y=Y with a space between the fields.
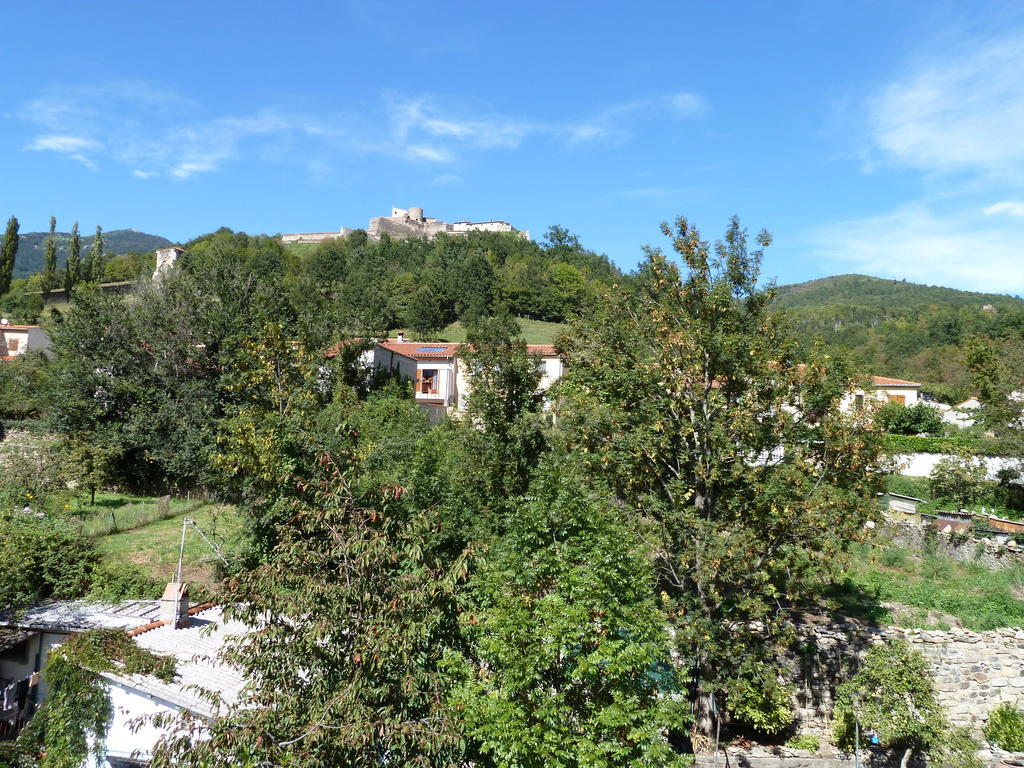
x=759 y=700
x=804 y=741
x=894 y=696
x=42 y=559
x=909 y=420
x=961 y=480
x=894 y=557
x=1005 y=728
x=111 y=583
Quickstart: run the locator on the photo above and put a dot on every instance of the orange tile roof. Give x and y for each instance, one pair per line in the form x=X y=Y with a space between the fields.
x=431 y=350
x=10 y=327
x=885 y=381
x=425 y=349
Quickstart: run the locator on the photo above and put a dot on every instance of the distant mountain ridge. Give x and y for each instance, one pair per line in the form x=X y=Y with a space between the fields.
x=32 y=246
x=905 y=330
x=865 y=291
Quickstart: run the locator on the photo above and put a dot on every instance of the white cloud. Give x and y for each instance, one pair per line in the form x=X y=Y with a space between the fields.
x=432 y=154
x=1006 y=207
x=416 y=116
x=959 y=111
x=154 y=132
x=686 y=105
x=928 y=246
x=76 y=147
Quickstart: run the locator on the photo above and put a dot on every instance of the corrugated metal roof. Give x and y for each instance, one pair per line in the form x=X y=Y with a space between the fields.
x=80 y=616
x=12 y=637
x=197 y=650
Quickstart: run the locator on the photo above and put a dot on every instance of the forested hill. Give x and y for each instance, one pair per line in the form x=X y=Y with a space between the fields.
x=881 y=294
x=908 y=330
x=116 y=241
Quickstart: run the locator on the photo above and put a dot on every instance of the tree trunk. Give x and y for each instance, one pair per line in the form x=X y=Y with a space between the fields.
x=703 y=716
x=906 y=758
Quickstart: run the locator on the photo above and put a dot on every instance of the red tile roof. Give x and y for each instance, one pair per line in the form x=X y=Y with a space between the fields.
x=885 y=381
x=10 y=327
x=431 y=350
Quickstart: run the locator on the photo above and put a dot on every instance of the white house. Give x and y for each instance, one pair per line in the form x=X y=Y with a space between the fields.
x=963 y=414
x=440 y=375
x=16 y=340
x=194 y=636
x=886 y=389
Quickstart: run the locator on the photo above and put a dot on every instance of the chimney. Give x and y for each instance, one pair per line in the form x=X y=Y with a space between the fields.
x=174 y=605
x=401 y=337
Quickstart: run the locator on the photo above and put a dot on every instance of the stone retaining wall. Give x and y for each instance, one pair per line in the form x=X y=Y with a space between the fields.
x=973 y=671
x=993 y=553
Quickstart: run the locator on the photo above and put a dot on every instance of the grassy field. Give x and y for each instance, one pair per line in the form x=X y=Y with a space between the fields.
x=114 y=512
x=154 y=547
x=932 y=591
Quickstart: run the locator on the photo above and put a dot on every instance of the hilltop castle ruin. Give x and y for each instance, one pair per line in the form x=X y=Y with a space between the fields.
x=407 y=222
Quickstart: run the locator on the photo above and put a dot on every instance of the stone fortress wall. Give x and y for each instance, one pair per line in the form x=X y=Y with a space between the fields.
x=408 y=222
x=973 y=671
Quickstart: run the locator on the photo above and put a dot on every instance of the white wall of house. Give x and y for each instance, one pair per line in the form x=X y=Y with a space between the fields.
x=922 y=464
x=18 y=339
x=909 y=397
x=130 y=707
x=444 y=373
x=380 y=357
x=552 y=369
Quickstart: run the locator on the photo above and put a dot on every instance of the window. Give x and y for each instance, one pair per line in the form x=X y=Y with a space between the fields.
x=858 y=402
x=901 y=399
x=12 y=345
x=426 y=381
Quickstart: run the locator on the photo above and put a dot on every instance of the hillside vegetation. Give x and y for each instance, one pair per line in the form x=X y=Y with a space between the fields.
x=907 y=330
x=115 y=242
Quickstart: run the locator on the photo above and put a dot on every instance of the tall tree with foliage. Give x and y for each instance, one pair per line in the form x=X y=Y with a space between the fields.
x=93 y=268
x=571 y=664
x=503 y=419
x=357 y=611
x=687 y=397
x=50 y=258
x=73 y=266
x=8 y=254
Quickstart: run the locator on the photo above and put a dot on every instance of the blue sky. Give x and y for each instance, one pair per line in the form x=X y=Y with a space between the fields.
x=884 y=138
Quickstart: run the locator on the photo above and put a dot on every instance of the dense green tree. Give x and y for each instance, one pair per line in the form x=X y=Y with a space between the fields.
x=686 y=395
x=426 y=311
x=94 y=261
x=572 y=660
x=150 y=371
x=900 y=419
x=50 y=258
x=73 y=266
x=354 y=672
x=22 y=386
x=8 y=255
x=960 y=479
x=503 y=419
x=996 y=382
